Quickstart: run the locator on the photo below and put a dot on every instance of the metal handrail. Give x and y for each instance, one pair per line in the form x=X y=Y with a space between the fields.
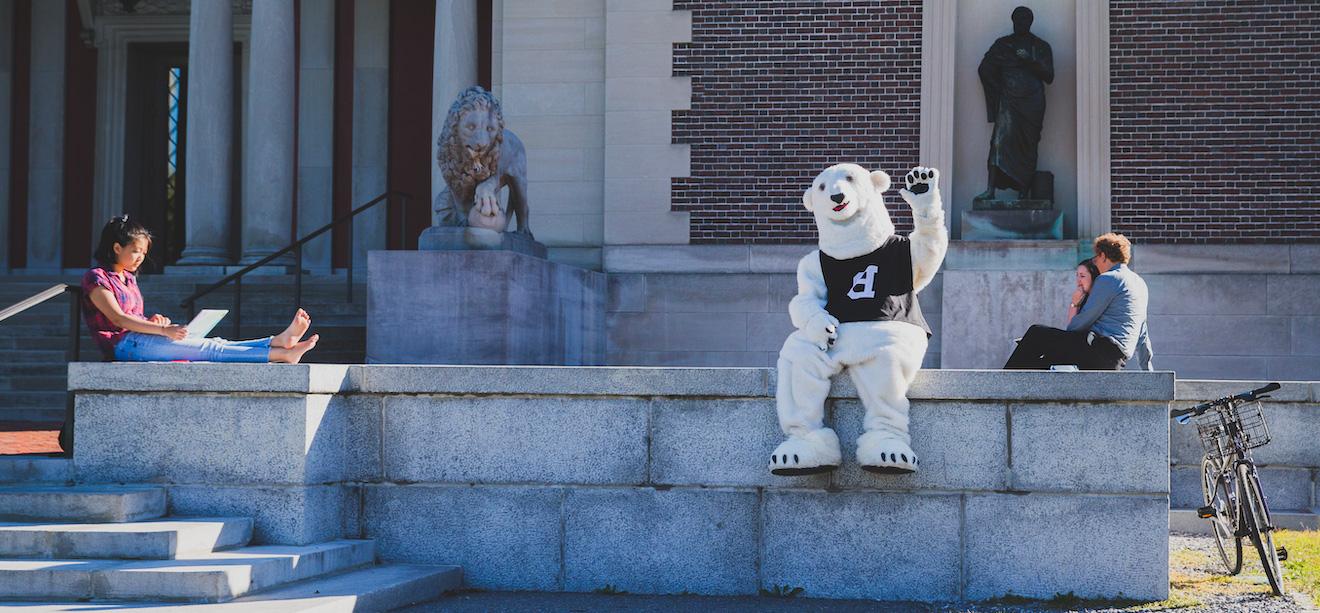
x=190 y=303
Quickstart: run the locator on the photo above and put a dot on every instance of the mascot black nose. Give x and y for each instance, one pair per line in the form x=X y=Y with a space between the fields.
x=837 y=198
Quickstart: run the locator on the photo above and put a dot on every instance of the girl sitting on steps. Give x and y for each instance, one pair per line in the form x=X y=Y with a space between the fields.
x=113 y=312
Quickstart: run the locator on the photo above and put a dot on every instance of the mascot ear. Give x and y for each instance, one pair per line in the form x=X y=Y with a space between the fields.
x=806 y=199
x=880 y=180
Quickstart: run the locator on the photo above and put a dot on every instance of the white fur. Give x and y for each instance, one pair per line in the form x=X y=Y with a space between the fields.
x=882 y=357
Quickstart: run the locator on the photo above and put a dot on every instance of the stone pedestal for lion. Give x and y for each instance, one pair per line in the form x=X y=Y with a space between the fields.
x=482 y=307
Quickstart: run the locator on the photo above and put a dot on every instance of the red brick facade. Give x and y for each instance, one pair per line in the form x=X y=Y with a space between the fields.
x=780 y=90
x=1216 y=120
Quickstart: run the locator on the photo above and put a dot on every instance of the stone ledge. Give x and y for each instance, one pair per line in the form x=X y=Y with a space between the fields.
x=207 y=377
x=598 y=381
x=1197 y=390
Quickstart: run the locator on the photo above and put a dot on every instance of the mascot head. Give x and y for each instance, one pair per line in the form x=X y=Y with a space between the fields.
x=850 y=210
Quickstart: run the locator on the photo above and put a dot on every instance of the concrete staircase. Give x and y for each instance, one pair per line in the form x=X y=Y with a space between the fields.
x=33 y=344
x=62 y=547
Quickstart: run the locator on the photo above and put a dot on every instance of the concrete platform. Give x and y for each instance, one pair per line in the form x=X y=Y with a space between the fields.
x=381 y=588
x=155 y=540
x=653 y=480
x=83 y=504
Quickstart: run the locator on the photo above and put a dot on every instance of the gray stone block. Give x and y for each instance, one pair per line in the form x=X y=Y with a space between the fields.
x=163 y=539
x=1287 y=489
x=1221 y=335
x=625 y=293
x=654 y=542
x=872 y=545
x=1206 y=294
x=1185 y=487
x=28 y=469
x=962 y=446
x=778 y=258
x=547 y=380
x=707 y=293
x=1016 y=255
x=505 y=538
x=1039 y=545
x=514 y=440
x=551 y=313
x=1212 y=259
x=1294 y=294
x=1305 y=258
x=207 y=377
x=701 y=332
x=441 y=238
x=986 y=309
x=209 y=438
x=285 y=515
x=677 y=258
x=362 y=436
x=1292 y=435
x=1012 y=225
x=768 y=331
x=718 y=443
x=1210 y=366
x=627 y=332
x=1292 y=367
x=1058 y=447
x=1184 y=442
x=983 y=385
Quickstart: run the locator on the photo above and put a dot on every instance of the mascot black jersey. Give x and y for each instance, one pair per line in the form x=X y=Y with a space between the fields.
x=873 y=287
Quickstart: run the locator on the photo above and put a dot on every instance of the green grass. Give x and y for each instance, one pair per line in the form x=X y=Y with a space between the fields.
x=1301 y=571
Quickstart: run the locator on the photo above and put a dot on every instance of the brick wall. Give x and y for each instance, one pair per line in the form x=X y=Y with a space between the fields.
x=1216 y=115
x=780 y=90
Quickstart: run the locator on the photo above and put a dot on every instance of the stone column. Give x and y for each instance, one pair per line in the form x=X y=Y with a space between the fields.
x=1093 y=161
x=45 y=203
x=371 y=87
x=316 y=105
x=939 y=24
x=209 y=190
x=269 y=176
x=455 y=69
x=6 y=87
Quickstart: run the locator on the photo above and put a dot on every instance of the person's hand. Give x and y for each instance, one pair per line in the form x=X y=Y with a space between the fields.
x=160 y=320
x=176 y=333
x=1077 y=297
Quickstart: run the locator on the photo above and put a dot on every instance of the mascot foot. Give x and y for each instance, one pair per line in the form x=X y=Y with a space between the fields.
x=810 y=454
x=883 y=454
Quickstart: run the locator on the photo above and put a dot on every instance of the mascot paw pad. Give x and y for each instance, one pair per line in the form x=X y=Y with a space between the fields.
x=919 y=180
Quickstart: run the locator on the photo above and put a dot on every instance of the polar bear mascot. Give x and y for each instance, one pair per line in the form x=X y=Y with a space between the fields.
x=856 y=308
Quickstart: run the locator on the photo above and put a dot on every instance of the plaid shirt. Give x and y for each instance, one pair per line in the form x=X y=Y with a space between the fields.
x=105 y=332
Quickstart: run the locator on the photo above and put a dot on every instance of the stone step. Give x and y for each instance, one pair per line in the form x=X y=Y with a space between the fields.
x=54 y=415
x=48 y=399
x=84 y=503
x=1185 y=520
x=31 y=383
x=155 y=540
x=34 y=468
x=211 y=577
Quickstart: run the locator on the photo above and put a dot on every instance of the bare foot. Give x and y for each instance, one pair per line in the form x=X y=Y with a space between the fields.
x=293 y=354
x=294 y=333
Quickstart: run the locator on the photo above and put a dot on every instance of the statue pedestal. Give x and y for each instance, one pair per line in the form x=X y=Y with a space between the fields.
x=482 y=307
x=1027 y=218
x=445 y=238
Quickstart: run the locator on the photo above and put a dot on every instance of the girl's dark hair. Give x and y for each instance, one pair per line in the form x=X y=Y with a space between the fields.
x=1091 y=268
x=120 y=231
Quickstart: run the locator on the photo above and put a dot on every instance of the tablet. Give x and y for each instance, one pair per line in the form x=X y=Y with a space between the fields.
x=205 y=321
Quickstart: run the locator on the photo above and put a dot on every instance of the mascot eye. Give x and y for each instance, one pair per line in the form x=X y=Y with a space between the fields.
x=821 y=187
x=850 y=178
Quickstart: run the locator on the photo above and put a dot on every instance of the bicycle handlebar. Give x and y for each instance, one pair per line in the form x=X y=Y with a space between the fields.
x=1255 y=394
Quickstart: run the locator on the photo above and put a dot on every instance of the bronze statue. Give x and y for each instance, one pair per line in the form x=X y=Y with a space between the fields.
x=1014 y=73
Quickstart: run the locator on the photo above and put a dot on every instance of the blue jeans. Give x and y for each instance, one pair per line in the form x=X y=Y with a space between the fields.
x=137 y=347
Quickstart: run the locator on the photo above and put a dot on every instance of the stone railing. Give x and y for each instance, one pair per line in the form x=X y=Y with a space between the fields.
x=1289 y=464
x=653 y=480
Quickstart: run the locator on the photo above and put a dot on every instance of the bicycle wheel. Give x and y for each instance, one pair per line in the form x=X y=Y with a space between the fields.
x=1257 y=519
x=1217 y=492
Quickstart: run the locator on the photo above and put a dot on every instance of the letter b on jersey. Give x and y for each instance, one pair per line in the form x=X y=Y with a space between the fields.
x=864 y=283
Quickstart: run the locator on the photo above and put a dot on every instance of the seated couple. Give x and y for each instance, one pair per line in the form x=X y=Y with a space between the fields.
x=1107 y=318
x=113 y=311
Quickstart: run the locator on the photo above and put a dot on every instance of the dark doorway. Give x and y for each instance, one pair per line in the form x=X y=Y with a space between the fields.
x=154 y=146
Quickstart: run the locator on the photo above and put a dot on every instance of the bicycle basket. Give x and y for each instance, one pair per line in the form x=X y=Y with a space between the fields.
x=1216 y=437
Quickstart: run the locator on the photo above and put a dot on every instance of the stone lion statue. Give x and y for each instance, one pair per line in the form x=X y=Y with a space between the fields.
x=478 y=157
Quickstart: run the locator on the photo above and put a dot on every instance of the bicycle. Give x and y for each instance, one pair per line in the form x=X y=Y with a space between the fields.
x=1234 y=503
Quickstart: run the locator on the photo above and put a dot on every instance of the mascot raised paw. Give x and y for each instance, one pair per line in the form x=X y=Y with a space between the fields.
x=856 y=309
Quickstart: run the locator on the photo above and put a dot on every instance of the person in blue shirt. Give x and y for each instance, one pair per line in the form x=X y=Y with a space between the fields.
x=1107 y=331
